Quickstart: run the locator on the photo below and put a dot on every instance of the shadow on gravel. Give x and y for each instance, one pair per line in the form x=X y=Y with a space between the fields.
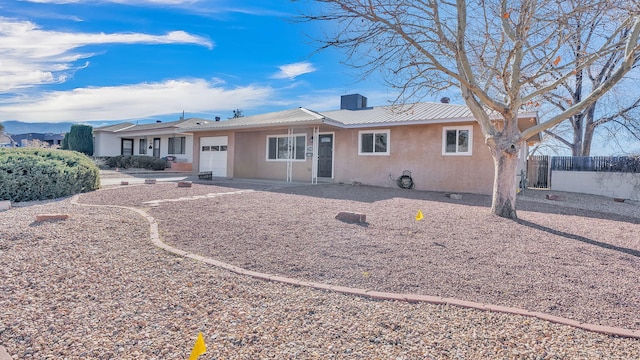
x=372 y=194
x=582 y=239
x=560 y=209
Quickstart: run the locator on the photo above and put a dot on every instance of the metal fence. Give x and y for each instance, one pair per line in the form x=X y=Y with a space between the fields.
x=627 y=164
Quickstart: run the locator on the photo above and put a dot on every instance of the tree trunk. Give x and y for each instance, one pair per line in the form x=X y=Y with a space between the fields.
x=505 y=159
x=589 y=129
x=577 y=123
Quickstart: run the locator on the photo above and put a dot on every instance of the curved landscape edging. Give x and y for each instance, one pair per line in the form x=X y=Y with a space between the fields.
x=154 y=234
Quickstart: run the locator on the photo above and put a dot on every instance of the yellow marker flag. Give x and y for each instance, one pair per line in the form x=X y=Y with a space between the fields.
x=199 y=348
x=419 y=216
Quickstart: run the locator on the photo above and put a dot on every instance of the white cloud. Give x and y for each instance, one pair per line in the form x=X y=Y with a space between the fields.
x=31 y=56
x=291 y=71
x=137 y=101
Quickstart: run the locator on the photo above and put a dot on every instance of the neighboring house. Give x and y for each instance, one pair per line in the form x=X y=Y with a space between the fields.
x=52 y=139
x=6 y=141
x=440 y=143
x=160 y=139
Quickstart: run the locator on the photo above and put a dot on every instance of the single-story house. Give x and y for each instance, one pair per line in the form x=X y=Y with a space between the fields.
x=160 y=139
x=439 y=143
x=53 y=139
x=6 y=141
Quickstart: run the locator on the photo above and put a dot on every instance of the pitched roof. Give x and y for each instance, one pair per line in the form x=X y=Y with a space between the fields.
x=157 y=125
x=418 y=112
x=114 y=128
x=297 y=116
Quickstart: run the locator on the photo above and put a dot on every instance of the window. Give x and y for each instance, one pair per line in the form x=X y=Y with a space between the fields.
x=143 y=147
x=177 y=145
x=373 y=142
x=127 y=147
x=457 y=140
x=278 y=147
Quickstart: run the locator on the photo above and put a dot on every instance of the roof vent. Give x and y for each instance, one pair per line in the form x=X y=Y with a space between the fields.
x=445 y=100
x=158 y=121
x=217 y=118
x=353 y=102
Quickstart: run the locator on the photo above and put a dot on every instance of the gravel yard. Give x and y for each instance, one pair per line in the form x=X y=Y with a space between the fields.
x=93 y=286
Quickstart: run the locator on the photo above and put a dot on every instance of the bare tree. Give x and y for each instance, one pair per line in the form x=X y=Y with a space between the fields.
x=503 y=55
x=617 y=113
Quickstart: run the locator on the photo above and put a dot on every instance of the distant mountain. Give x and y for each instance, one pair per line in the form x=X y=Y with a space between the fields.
x=18 y=127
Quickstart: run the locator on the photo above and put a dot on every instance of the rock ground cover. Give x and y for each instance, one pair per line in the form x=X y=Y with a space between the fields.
x=92 y=286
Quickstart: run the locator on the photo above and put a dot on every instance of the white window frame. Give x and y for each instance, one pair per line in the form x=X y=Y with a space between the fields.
x=468 y=128
x=387 y=132
x=294 y=150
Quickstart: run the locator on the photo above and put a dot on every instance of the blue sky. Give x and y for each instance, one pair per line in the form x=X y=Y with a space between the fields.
x=106 y=61
x=147 y=60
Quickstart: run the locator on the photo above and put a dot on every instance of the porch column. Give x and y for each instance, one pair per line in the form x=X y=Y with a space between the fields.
x=290 y=147
x=314 y=158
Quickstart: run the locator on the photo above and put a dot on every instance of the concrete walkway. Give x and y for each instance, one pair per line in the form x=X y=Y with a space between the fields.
x=138 y=176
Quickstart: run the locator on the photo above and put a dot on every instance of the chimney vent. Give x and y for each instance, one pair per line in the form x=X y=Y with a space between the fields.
x=158 y=121
x=217 y=118
x=445 y=100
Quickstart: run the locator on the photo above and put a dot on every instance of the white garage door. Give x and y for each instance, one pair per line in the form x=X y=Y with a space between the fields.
x=213 y=155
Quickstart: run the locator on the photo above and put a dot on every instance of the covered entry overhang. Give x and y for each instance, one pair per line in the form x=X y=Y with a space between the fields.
x=282 y=145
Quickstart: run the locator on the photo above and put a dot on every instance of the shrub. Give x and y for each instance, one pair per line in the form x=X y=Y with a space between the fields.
x=81 y=139
x=136 y=161
x=65 y=142
x=38 y=174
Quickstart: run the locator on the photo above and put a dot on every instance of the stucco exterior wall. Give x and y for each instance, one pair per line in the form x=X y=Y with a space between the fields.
x=106 y=144
x=251 y=157
x=417 y=149
x=611 y=184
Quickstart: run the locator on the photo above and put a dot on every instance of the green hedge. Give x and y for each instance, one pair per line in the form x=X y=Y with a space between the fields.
x=136 y=161
x=38 y=174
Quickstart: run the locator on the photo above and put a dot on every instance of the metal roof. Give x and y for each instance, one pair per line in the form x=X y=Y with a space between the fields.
x=297 y=116
x=392 y=115
x=418 y=112
x=116 y=127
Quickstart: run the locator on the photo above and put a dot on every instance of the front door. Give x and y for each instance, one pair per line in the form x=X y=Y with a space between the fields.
x=325 y=155
x=156 y=147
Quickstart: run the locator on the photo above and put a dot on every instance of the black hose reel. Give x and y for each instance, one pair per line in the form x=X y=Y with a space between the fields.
x=405 y=181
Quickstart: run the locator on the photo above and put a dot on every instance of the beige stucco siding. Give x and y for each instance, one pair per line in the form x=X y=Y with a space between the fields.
x=417 y=149
x=251 y=157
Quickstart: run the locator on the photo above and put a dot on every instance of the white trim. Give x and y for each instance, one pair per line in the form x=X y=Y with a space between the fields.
x=285 y=136
x=469 y=152
x=374 y=132
x=291 y=140
x=333 y=152
x=314 y=157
